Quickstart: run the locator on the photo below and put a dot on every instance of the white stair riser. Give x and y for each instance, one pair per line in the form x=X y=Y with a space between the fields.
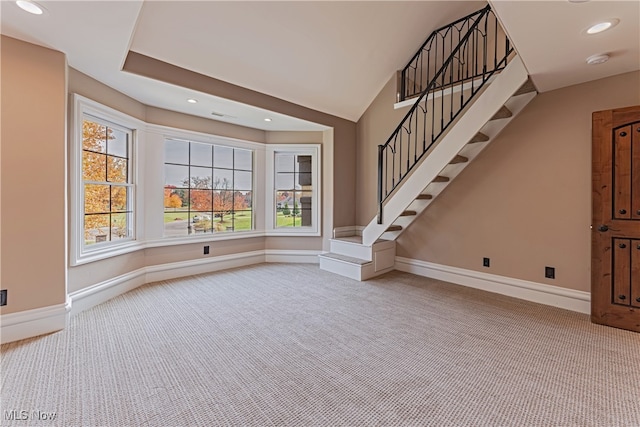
x=351 y=249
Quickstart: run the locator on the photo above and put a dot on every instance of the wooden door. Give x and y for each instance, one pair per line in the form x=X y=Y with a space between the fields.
x=615 y=251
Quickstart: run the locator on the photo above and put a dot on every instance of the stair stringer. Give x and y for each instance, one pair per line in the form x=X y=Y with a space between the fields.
x=469 y=124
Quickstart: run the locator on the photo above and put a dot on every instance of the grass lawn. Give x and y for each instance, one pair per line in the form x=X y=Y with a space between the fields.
x=242 y=220
x=287 y=221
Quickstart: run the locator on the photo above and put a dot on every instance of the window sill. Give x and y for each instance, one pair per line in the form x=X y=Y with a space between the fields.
x=107 y=252
x=204 y=237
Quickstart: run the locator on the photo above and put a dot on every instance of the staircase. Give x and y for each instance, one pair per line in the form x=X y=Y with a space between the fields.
x=470 y=97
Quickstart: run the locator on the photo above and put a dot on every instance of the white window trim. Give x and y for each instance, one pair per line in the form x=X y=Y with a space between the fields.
x=78 y=253
x=165 y=132
x=147 y=197
x=270 y=221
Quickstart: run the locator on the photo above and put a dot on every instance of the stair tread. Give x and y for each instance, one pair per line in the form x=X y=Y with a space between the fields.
x=424 y=197
x=479 y=137
x=394 y=228
x=408 y=213
x=345 y=258
x=356 y=239
x=459 y=159
x=503 y=113
x=440 y=178
x=526 y=87
x=350 y=239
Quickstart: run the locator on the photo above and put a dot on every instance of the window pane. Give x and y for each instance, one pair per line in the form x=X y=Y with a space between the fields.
x=202 y=222
x=201 y=154
x=117 y=143
x=119 y=226
x=247 y=198
x=285 y=181
x=175 y=199
x=119 y=198
x=222 y=203
x=200 y=197
x=201 y=200
x=222 y=179
x=303 y=179
x=176 y=176
x=243 y=159
x=96 y=228
x=242 y=180
x=96 y=198
x=222 y=157
x=285 y=162
x=176 y=223
x=176 y=152
x=200 y=177
x=94 y=136
x=117 y=169
x=94 y=166
x=242 y=220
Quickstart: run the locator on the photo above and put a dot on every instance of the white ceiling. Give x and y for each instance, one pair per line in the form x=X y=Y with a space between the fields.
x=332 y=56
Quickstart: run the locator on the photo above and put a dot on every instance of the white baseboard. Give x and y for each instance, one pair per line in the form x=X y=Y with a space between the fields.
x=91 y=296
x=31 y=323
x=568 y=299
x=301 y=256
x=174 y=270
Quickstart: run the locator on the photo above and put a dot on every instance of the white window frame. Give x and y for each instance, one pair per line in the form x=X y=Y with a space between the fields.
x=313 y=150
x=81 y=253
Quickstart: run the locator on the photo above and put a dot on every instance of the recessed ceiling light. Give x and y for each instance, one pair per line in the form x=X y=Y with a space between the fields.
x=597 y=59
x=30 y=7
x=602 y=26
x=192 y=101
x=267 y=119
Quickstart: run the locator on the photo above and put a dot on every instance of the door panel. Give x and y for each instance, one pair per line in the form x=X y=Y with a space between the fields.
x=622 y=173
x=621 y=271
x=635 y=273
x=615 y=265
x=634 y=131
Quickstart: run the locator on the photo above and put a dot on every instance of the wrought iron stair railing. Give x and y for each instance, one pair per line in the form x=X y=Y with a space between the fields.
x=458 y=60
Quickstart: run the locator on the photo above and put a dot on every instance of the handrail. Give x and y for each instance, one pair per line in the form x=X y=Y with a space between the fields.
x=482 y=51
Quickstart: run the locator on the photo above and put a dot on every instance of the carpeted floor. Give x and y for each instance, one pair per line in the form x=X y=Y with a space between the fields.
x=281 y=344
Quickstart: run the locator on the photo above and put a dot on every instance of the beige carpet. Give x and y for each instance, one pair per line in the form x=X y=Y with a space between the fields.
x=278 y=344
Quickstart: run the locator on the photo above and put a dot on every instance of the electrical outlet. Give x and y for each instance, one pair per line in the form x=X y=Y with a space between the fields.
x=486 y=262
x=3 y=297
x=206 y=250
x=550 y=272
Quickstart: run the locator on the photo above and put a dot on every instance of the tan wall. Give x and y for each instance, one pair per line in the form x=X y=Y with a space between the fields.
x=33 y=103
x=525 y=202
x=373 y=129
x=90 y=88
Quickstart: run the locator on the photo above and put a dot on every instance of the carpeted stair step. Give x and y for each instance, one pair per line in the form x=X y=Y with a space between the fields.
x=459 y=159
x=345 y=258
x=440 y=178
x=527 y=87
x=503 y=113
x=479 y=137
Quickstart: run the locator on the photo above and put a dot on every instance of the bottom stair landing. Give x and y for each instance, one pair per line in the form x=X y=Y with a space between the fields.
x=350 y=258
